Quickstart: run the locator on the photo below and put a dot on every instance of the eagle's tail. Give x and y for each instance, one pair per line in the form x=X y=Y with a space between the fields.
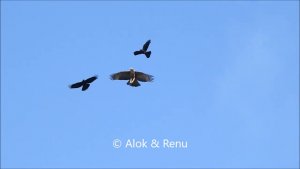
x=134 y=83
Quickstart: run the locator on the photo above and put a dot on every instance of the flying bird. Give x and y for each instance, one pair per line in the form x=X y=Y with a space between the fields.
x=144 y=50
x=132 y=76
x=85 y=84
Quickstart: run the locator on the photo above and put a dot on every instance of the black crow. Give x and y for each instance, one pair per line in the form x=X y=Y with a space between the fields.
x=144 y=50
x=84 y=83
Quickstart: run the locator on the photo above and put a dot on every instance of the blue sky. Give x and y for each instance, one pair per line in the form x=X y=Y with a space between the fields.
x=226 y=82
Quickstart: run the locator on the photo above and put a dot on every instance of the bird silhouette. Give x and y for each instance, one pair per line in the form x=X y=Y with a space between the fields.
x=85 y=84
x=144 y=50
x=132 y=76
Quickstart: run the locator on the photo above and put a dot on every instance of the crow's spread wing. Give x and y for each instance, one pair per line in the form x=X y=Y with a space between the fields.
x=138 y=52
x=76 y=85
x=91 y=79
x=146 y=45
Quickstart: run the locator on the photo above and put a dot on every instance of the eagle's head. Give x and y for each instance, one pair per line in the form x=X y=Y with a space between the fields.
x=132 y=75
x=131 y=70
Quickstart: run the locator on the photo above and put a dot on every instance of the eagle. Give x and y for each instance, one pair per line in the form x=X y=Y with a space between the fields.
x=132 y=76
x=85 y=84
x=144 y=50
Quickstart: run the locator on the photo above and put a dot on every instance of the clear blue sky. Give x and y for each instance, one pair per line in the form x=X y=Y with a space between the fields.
x=226 y=81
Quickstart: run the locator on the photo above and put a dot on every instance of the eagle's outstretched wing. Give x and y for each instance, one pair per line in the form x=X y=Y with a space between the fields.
x=124 y=75
x=143 y=77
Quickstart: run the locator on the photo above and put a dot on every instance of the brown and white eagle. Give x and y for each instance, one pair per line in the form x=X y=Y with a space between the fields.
x=144 y=50
x=85 y=84
x=132 y=76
